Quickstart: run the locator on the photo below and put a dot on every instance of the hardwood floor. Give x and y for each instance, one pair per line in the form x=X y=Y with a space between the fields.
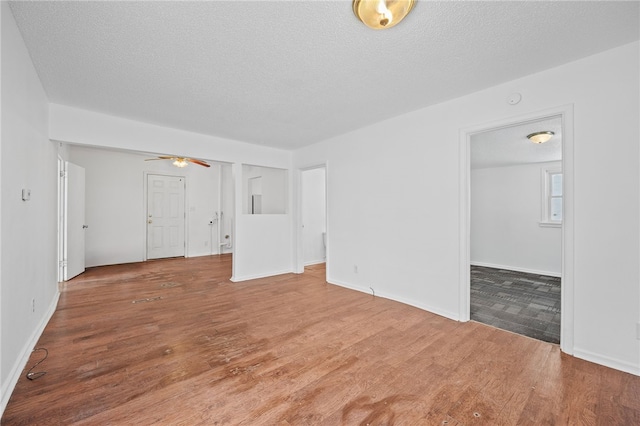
x=195 y=348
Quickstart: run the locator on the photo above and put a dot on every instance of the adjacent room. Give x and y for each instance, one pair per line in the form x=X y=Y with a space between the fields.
x=516 y=221
x=320 y=212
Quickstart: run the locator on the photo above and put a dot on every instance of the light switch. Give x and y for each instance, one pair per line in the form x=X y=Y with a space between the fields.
x=26 y=194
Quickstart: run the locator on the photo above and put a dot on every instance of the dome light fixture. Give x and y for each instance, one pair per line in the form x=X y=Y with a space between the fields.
x=381 y=14
x=540 y=137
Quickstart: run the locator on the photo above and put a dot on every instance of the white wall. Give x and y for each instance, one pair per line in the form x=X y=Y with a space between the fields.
x=273 y=185
x=116 y=205
x=202 y=204
x=505 y=214
x=227 y=206
x=314 y=212
x=394 y=202
x=263 y=241
x=77 y=126
x=28 y=228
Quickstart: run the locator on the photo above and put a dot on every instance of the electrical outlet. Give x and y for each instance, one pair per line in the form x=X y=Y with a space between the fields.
x=33 y=305
x=355 y=269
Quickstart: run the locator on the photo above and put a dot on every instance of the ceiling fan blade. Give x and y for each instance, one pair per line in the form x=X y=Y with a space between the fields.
x=198 y=162
x=191 y=160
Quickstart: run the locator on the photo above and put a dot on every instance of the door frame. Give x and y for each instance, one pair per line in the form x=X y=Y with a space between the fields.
x=145 y=206
x=61 y=217
x=565 y=112
x=299 y=255
x=74 y=232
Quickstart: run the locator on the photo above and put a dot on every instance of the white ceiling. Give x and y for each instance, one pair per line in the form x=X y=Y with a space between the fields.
x=291 y=73
x=509 y=146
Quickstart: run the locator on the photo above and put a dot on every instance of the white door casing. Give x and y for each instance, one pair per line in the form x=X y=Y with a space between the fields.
x=567 y=285
x=165 y=216
x=74 y=184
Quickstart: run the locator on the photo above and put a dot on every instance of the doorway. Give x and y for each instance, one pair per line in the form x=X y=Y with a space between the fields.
x=500 y=206
x=516 y=220
x=313 y=216
x=165 y=216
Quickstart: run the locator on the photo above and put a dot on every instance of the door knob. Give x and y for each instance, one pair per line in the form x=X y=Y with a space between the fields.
x=85 y=226
x=149 y=221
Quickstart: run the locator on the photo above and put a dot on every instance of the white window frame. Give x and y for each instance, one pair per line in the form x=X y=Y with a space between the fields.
x=545 y=182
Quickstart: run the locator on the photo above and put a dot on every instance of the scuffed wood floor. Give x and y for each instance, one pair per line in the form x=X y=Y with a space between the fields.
x=292 y=350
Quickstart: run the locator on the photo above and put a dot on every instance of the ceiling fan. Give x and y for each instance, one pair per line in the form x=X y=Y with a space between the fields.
x=180 y=161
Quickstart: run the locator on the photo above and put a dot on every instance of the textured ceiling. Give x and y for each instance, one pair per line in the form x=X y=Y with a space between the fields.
x=288 y=74
x=509 y=146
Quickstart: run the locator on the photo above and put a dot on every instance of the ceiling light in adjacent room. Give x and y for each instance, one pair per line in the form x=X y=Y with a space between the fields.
x=180 y=162
x=381 y=14
x=540 y=137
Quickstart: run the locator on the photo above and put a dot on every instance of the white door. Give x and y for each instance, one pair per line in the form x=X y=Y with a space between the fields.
x=73 y=262
x=165 y=216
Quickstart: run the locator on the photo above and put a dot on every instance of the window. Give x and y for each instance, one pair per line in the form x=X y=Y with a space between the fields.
x=551 y=197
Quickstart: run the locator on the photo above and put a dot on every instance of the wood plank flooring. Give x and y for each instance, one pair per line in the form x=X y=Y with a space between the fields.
x=196 y=349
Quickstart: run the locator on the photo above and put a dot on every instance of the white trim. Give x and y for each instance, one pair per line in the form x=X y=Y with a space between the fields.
x=550 y=224
x=565 y=112
x=607 y=361
x=200 y=254
x=314 y=262
x=464 y=226
x=187 y=219
x=516 y=268
x=61 y=217
x=21 y=361
x=299 y=263
x=298 y=255
x=567 y=319
x=236 y=178
x=263 y=275
x=545 y=194
x=443 y=313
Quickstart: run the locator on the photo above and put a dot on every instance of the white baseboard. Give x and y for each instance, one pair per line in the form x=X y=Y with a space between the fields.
x=202 y=254
x=21 y=361
x=314 y=262
x=443 y=313
x=517 y=269
x=256 y=276
x=616 y=364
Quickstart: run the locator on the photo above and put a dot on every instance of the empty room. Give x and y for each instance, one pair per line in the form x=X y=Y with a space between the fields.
x=516 y=228
x=320 y=212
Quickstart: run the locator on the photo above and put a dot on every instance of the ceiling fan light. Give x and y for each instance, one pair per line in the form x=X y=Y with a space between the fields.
x=540 y=137
x=180 y=162
x=381 y=14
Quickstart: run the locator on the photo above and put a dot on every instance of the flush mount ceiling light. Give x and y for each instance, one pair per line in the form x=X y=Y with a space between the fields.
x=381 y=14
x=540 y=137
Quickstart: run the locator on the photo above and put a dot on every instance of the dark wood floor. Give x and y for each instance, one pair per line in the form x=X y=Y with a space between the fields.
x=292 y=350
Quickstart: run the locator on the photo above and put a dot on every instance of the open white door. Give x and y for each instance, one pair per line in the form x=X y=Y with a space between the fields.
x=73 y=263
x=165 y=216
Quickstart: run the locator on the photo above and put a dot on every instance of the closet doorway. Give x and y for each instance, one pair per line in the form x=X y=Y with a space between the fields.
x=314 y=220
